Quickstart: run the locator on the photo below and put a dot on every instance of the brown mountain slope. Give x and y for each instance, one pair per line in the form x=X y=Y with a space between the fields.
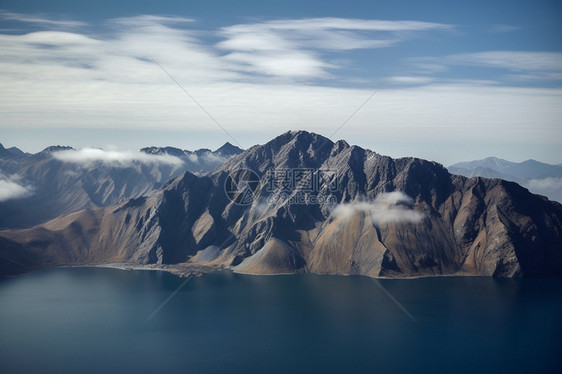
x=364 y=214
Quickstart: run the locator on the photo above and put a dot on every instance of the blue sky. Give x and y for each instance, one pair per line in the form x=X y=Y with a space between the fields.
x=464 y=80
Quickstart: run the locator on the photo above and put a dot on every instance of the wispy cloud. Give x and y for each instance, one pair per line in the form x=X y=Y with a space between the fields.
x=283 y=64
x=512 y=60
x=501 y=29
x=114 y=158
x=291 y=48
x=207 y=158
x=150 y=20
x=107 y=80
x=328 y=23
x=413 y=79
x=388 y=207
x=38 y=19
x=505 y=66
x=11 y=188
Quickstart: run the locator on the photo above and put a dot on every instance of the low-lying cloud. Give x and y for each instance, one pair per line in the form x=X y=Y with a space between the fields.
x=550 y=187
x=207 y=158
x=387 y=207
x=11 y=189
x=114 y=158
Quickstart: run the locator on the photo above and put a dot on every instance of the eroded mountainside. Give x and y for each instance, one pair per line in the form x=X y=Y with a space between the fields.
x=62 y=180
x=317 y=206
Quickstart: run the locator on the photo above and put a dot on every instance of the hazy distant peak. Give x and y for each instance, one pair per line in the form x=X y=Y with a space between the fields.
x=528 y=169
x=533 y=162
x=11 y=152
x=16 y=151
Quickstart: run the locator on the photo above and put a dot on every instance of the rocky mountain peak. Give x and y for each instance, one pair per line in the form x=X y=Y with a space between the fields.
x=56 y=148
x=293 y=149
x=228 y=150
x=172 y=151
x=339 y=146
x=11 y=152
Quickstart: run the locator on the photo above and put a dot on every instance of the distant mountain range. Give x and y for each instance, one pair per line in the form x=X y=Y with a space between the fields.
x=538 y=177
x=302 y=203
x=62 y=180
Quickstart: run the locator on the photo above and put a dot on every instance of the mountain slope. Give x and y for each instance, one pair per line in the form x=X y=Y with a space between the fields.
x=361 y=213
x=64 y=185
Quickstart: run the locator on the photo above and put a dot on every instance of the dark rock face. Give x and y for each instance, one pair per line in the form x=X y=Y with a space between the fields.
x=358 y=213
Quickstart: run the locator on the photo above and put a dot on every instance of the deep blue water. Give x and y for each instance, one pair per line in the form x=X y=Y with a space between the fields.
x=98 y=320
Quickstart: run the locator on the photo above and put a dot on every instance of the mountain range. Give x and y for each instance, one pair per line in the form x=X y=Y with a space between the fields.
x=538 y=177
x=302 y=203
x=61 y=180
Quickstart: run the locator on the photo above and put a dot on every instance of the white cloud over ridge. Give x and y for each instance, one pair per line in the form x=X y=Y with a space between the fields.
x=390 y=207
x=11 y=189
x=114 y=158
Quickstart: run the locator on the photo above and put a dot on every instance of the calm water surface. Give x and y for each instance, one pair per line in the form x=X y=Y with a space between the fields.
x=98 y=320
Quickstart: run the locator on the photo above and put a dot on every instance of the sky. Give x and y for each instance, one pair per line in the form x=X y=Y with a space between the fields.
x=443 y=80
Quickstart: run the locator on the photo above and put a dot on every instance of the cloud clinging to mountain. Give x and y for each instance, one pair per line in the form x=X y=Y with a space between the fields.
x=387 y=207
x=11 y=188
x=114 y=158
